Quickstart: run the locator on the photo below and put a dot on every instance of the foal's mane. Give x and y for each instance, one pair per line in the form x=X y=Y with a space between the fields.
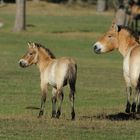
x=131 y=32
x=46 y=49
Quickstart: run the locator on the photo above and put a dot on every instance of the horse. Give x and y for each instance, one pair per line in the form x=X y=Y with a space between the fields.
x=55 y=72
x=126 y=42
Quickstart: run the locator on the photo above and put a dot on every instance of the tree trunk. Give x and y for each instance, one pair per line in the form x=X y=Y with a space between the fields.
x=120 y=17
x=102 y=5
x=70 y=2
x=20 y=21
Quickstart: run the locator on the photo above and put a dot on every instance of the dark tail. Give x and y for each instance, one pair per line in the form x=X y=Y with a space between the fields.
x=72 y=76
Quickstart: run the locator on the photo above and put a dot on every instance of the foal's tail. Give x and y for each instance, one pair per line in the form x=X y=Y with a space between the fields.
x=72 y=76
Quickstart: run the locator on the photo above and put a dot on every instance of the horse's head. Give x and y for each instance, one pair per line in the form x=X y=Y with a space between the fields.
x=108 y=42
x=31 y=57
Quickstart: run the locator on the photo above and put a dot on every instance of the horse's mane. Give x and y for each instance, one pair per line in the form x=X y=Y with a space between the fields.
x=132 y=32
x=46 y=49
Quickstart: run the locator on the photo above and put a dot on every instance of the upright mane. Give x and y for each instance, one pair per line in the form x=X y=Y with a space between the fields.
x=131 y=32
x=46 y=49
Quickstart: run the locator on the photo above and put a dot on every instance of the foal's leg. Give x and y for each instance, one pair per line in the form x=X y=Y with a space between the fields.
x=128 y=92
x=43 y=100
x=138 y=107
x=138 y=96
x=54 y=99
x=60 y=97
x=72 y=98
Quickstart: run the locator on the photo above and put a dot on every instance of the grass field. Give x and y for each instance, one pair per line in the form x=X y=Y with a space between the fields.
x=100 y=86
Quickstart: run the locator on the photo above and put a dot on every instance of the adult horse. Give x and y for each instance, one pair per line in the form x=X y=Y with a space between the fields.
x=54 y=72
x=126 y=42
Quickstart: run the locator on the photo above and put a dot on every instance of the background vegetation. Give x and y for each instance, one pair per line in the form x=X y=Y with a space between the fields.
x=100 y=86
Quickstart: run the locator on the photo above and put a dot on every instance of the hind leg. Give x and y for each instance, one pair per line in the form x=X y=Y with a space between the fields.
x=133 y=109
x=72 y=98
x=138 y=107
x=128 y=92
x=128 y=105
x=60 y=98
x=54 y=99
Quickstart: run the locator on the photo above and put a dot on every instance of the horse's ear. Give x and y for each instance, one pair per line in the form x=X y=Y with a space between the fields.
x=117 y=27
x=34 y=45
x=29 y=44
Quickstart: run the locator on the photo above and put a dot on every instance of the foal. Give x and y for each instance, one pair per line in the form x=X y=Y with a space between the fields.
x=54 y=72
x=127 y=43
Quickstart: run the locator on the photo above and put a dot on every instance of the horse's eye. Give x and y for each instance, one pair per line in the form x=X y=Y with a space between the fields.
x=109 y=36
x=30 y=53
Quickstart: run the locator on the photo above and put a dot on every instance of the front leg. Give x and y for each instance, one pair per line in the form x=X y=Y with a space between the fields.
x=43 y=100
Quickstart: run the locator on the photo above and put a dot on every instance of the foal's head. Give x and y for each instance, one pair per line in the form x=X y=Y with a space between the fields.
x=31 y=57
x=116 y=38
x=34 y=54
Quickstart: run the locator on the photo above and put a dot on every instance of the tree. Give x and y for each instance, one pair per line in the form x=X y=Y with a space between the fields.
x=120 y=16
x=102 y=5
x=20 y=20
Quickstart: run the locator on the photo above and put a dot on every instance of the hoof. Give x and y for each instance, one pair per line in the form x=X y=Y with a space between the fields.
x=73 y=116
x=53 y=114
x=133 y=109
x=138 y=109
x=127 y=110
x=58 y=114
x=40 y=113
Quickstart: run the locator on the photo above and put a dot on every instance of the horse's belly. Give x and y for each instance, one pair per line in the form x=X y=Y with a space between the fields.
x=52 y=79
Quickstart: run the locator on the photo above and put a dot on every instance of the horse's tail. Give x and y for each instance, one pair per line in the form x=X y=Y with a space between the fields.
x=72 y=76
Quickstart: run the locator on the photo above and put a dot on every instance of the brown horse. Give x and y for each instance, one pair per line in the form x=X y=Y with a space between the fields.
x=54 y=72
x=127 y=44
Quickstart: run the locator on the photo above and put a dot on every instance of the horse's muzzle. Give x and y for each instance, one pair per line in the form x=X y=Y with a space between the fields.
x=96 y=49
x=22 y=64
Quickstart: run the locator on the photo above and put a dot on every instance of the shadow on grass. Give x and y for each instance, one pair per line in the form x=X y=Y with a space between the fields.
x=32 y=108
x=30 y=25
x=114 y=117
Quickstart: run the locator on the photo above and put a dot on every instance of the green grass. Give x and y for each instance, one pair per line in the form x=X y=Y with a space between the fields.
x=100 y=84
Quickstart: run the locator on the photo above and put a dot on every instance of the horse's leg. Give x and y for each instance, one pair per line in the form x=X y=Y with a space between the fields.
x=128 y=105
x=138 y=107
x=128 y=92
x=72 y=97
x=43 y=100
x=60 y=97
x=136 y=83
x=54 y=99
x=138 y=95
x=133 y=109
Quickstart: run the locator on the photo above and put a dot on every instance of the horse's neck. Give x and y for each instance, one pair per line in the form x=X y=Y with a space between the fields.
x=43 y=61
x=126 y=45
